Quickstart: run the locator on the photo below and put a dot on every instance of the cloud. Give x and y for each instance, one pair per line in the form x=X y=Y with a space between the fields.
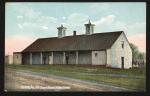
x=130 y=28
x=106 y=20
x=28 y=12
x=110 y=23
x=41 y=25
x=19 y=17
x=20 y=26
x=44 y=27
x=105 y=23
x=77 y=18
x=75 y=21
x=47 y=19
x=30 y=22
x=64 y=18
x=23 y=10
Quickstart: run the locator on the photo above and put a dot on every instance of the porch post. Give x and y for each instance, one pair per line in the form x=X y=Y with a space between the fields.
x=31 y=58
x=41 y=55
x=64 y=55
x=52 y=57
x=77 y=57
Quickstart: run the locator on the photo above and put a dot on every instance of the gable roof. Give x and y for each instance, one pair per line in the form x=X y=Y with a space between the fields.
x=97 y=41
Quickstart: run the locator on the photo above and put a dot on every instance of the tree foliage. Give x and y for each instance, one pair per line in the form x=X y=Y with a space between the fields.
x=136 y=54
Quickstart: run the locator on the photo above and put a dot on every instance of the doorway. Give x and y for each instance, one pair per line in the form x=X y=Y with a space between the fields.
x=67 y=59
x=122 y=62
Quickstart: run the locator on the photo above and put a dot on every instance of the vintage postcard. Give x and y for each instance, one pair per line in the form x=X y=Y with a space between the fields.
x=64 y=46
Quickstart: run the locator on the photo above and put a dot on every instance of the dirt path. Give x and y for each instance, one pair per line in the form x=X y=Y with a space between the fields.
x=33 y=81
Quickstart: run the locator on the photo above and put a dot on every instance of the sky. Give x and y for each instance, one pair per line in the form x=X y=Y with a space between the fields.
x=26 y=22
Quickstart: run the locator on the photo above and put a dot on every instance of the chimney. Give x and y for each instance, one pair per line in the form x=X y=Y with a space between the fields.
x=61 y=31
x=89 y=28
x=74 y=33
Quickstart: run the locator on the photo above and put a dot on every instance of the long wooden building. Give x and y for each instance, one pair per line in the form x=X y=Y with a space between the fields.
x=110 y=49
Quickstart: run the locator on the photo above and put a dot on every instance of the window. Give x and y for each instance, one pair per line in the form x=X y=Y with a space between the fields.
x=95 y=54
x=122 y=44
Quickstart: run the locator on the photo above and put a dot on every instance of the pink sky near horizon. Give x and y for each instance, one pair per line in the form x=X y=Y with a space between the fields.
x=139 y=40
x=17 y=44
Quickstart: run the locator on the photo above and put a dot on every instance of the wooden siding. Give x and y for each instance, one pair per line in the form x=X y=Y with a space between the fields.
x=116 y=52
x=26 y=58
x=85 y=57
x=17 y=58
x=99 y=57
x=36 y=59
x=58 y=58
x=72 y=57
x=9 y=59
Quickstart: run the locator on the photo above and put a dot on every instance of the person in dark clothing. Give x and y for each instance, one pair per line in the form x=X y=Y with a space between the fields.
x=44 y=60
x=67 y=58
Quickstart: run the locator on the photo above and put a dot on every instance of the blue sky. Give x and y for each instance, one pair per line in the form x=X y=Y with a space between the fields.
x=25 y=22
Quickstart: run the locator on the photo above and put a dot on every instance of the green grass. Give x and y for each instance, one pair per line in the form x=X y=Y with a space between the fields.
x=75 y=71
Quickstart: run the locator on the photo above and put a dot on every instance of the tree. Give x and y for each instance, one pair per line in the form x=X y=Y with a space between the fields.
x=137 y=56
x=135 y=51
x=141 y=56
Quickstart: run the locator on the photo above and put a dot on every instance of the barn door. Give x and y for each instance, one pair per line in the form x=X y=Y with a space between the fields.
x=122 y=62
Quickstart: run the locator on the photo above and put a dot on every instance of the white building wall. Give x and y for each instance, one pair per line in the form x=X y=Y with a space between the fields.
x=84 y=57
x=108 y=52
x=116 y=52
x=17 y=58
x=98 y=57
x=9 y=59
x=36 y=58
x=51 y=58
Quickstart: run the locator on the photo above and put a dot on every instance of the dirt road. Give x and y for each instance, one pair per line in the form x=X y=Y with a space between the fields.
x=33 y=81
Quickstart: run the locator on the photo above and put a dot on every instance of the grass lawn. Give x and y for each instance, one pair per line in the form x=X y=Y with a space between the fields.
x=76 y=71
